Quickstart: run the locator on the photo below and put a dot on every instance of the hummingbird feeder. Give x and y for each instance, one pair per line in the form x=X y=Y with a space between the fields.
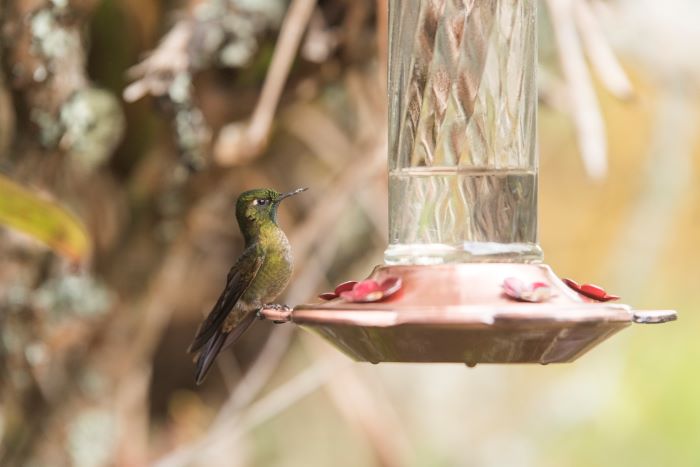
x=463 y=279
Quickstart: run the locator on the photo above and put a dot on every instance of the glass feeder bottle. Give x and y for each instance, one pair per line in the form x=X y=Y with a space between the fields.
x=462 y=120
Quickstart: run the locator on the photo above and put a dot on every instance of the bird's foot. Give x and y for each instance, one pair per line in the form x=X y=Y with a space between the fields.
x=275 y=312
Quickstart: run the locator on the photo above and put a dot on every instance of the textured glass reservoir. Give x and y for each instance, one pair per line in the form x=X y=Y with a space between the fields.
x=462 y=122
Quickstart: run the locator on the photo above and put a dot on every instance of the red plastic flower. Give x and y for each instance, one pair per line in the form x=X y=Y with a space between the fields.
x=517 y=290
x=591 y=291
x=340 y=288
x=370 y=290
x=365 y=291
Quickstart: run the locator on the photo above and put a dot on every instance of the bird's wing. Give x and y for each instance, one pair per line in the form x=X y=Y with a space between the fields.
x=238 y=280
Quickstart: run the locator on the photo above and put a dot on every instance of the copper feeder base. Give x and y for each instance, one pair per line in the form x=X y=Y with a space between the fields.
x=458 y=313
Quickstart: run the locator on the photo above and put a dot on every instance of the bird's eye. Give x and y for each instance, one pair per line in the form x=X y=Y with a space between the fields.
x=262 y=202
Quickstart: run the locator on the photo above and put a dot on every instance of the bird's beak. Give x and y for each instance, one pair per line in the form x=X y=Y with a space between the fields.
x=291 y=193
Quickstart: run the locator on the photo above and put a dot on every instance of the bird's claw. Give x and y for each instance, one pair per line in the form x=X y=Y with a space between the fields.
x=281 y=312
x=276 y=306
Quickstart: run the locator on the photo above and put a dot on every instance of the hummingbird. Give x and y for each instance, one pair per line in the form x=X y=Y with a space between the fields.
x=260 y=274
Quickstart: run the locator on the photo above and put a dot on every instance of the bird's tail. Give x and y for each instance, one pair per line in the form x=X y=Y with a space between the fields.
x=215 y=344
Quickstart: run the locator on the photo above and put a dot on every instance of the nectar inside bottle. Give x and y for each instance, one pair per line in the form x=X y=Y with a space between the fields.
x=447 y=214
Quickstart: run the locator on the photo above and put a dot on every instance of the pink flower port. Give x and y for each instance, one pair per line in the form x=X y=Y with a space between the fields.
x=535 y=292
x=340 y=288
x=591 y=291
x=366 y=291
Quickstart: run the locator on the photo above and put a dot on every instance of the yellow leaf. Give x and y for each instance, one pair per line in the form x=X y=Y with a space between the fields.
x=45 y=220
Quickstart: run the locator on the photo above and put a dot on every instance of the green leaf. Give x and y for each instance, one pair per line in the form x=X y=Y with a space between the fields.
x=45 y=220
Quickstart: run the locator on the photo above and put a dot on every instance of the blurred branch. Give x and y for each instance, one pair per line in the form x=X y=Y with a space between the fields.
x=238 y=142
x=366 y=160
x=585 y=110
x=260 y=373
x=552 y=91
x=365 y=410
x=328 y=142
x=602 y=57
x=229 y=429
x=155 y=73
x=383 y=40
x=7 y=114
x=209 y=33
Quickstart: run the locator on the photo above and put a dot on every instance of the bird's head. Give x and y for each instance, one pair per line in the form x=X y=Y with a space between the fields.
x=256 y=208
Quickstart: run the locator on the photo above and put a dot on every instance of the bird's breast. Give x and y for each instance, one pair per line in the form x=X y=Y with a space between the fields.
x=274 y=273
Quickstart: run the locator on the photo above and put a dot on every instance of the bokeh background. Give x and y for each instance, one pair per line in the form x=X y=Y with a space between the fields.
x=127 y=129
